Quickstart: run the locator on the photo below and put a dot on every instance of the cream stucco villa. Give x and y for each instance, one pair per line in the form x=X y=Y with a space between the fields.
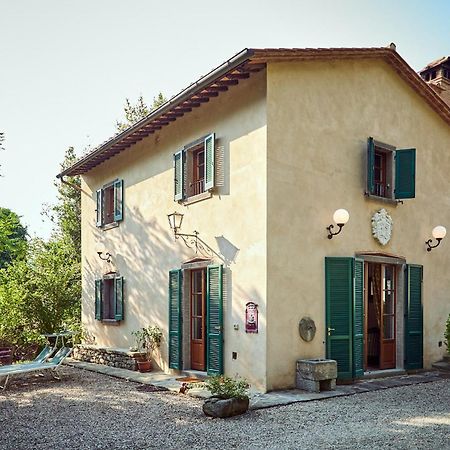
x=257 y=156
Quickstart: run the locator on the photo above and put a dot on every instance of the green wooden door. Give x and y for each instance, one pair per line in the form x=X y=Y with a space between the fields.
x=344 y=278
x=214 y=320
x=175 y=330
x=413 y=317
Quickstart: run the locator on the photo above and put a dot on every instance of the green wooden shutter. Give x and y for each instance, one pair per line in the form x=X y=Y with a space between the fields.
x=370 y=165
x=358 y=319
x=118 y=298
x=214 y=320
x=98 y=299
x=99 y=207
x=175 y=319
x=209 y=161
x=118 y=200
x=405 y=173
x=339 y=306
x=178 y=164
x=413 y=317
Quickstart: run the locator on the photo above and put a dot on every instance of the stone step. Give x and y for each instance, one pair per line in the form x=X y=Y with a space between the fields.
x=442 y=365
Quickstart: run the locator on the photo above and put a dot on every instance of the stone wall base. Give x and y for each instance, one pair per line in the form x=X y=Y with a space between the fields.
x=114 y=357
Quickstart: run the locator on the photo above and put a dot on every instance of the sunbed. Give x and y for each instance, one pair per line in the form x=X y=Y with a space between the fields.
x=38 y=365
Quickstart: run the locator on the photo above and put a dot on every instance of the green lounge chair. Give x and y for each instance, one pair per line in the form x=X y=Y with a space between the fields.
x=43 y=356
x=36 y=366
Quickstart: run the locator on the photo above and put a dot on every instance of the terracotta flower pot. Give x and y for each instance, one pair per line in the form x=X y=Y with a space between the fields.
x=144 y=366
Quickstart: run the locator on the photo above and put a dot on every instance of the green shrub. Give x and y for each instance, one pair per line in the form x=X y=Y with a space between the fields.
x=447 y=334
x=226 y=387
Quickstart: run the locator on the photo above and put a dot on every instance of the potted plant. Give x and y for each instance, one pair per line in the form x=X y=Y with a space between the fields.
x=147 y=340
x=229 y=396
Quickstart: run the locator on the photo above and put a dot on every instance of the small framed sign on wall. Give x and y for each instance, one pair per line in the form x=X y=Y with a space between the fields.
x=251 y=317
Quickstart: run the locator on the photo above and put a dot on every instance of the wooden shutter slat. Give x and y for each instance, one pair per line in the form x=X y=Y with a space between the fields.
x=405 y=173
x=178 y=164
x=209 y=161
x=214 y=320
x=413 y=317
x=118 y=298
x=99 y=210
x=98 y=299
x=358 y=319
x=175 y=330
x=118 y=200
x=370 y=165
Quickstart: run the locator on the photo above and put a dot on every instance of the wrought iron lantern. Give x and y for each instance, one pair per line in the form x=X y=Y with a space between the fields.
x=175 y=221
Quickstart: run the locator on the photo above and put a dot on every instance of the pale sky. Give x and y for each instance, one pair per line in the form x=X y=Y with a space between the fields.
x=66 y=67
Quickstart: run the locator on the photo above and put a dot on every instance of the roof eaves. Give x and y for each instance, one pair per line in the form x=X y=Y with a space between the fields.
x=186 y=93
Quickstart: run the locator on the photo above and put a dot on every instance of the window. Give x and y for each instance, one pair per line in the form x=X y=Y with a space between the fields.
x=110 y=204
x=194 y=168
x=109 y=298
x=391 y=172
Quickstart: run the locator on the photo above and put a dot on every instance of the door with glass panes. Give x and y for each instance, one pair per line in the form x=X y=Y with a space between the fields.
x=380 y=305
x=197 y=319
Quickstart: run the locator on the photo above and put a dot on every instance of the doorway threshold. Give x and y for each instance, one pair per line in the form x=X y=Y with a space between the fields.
x=383 y=373
x=191 y=373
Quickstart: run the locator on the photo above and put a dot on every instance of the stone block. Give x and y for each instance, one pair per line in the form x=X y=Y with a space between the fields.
x=317 y=369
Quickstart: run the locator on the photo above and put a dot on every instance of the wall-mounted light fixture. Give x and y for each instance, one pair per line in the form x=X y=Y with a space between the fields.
x=190 y=240
x=340 y=217
x=438 y=233
x=102 y=253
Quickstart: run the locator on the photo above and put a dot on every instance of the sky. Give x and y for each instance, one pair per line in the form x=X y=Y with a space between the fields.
x=66 y=67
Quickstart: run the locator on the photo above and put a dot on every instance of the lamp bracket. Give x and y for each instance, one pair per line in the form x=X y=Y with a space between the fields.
x=429 y=242
x=194 y=242
x=330 y=233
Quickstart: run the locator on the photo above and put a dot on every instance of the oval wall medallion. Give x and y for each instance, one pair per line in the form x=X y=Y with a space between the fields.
x=307 y=329
x=382 y=226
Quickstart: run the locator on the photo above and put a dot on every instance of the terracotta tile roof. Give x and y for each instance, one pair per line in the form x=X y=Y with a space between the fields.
x=435 y=63
x=239 y=67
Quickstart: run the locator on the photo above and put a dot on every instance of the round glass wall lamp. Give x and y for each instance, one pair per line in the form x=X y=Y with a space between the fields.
x=340 y=217
x=438 y=233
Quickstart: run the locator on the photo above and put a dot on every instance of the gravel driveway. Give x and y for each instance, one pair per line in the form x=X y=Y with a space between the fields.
x=91 y=411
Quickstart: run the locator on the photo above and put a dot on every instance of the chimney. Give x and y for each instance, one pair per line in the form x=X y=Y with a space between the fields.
x=437 y=75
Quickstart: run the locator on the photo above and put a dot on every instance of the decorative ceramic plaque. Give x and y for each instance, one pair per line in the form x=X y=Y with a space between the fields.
x=382 y=226
x=251 y=317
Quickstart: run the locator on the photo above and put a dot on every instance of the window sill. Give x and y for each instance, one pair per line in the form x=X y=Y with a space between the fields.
x=108 y=226
x=196 y=198
x=391 y=201
x=111 y=322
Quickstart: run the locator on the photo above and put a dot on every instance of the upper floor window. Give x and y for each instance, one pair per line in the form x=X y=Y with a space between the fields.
x=110 y=204
x=194 y=169
x=109 y=298
x=391 y=172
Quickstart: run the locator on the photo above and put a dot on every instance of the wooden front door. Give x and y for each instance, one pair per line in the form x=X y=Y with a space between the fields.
x=380 y=301
x=198 y=322
x=387 y=332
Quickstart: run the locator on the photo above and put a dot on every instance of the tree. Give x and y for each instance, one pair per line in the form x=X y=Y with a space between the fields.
x=136 y=112
x=13 y=237
x=40 y=294
x=66 y=214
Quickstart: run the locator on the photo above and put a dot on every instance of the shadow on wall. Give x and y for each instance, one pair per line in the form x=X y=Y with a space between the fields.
x=143 y=252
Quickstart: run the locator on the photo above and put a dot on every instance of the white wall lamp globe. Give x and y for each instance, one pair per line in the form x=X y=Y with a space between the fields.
x=340 y=217
x=438 y=233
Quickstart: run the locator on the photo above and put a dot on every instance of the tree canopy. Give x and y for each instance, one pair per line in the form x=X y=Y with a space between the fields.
x=13 y=237
x=135 y=112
